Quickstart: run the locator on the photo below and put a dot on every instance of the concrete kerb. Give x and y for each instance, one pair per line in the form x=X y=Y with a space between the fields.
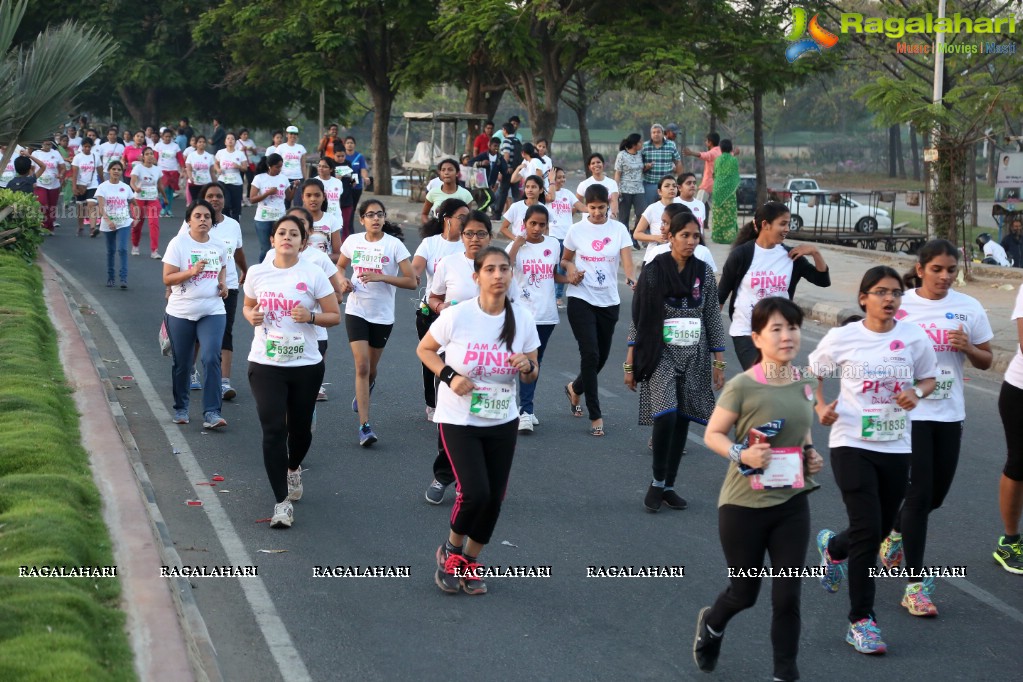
x=201 y=651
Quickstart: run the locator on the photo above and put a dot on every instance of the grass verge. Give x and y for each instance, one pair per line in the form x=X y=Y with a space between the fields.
x=50 y=628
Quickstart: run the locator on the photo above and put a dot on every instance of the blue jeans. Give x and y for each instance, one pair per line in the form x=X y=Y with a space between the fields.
x=526 y=391
x=209 y=332
x=263 y=228
x=559 y=287
x=650 y=190
x=118 y=241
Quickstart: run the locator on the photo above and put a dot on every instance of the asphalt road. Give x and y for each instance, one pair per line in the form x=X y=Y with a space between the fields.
x=573 y=501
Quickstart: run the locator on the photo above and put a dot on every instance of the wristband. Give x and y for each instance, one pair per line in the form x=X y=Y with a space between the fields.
x=532 y=367
x=807 y=448
x=312 y=317
x=447 y=374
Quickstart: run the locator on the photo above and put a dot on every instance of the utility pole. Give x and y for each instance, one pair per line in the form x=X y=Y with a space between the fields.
x=939 y=83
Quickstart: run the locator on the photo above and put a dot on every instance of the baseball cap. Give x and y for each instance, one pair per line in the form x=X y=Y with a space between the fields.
x=291 y=129
x=672 y=128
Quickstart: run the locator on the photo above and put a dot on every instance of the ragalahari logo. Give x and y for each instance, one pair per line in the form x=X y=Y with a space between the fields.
x=819 y=37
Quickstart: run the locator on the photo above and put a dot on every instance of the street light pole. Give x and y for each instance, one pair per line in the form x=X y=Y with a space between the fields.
x=939 y=83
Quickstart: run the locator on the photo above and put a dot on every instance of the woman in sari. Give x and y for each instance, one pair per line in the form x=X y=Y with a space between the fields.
x=724 y=216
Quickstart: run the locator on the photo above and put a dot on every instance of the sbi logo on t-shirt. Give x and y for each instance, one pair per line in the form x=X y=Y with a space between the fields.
x=599 y=244
x=962 y=317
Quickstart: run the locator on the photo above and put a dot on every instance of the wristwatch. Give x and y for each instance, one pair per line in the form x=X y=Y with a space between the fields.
x=735 y=452
x=919 y=393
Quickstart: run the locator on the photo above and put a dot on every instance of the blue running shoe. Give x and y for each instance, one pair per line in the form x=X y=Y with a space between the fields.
x=196 y=384
x=366 y=435
x=180 y=417
x=865 y=637
x=834 y=571
x=213 y=420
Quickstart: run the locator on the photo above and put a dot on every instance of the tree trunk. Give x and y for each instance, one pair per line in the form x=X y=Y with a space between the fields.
x=893 y=133
x=580 y=104
x=992 y=173
x=712 y=123
x=473 y=105
x=914 y=152
x=898 y=152
x=383 y=99
x=758 y=146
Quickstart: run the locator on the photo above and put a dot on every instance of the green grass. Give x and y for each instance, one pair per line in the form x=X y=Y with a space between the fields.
x=50 y=628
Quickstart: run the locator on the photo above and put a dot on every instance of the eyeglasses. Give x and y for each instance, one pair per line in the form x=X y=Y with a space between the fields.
x=482 y=234
x=374 y=214
x=885 y=293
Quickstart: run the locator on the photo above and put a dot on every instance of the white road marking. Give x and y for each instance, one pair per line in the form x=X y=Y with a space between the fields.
x=283 y=650
x=986 y=597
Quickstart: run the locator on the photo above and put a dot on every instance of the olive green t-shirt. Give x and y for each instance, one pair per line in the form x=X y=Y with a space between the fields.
x=757 y=404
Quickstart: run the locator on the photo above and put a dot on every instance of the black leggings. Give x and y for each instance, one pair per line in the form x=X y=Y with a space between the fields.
x=481 y=457
x=873 y=485
x=593 y=328
x=285 y=400
x=233 y=201
x=782 y=532
x=423 y=323
x=745 y=351
x=1010 y=406
x=932 y=468
x=669 y=440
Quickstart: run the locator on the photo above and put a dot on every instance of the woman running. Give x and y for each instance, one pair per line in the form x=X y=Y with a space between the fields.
x=86 y=176
x=886 y=367
x=513 y=220
x=675 y=328
x=535 y=259
x=447 y=172
x=286 y=300
x=268 y=191
x=116 y=204
x=199 y=168
x=757 y=516
x=454 y=281
x=326 y=232
x=231 y=162
x=959 y=330
x=760 y=265
x=489 y=342
x=647 y=226
x=595 y=165
x=1009 y=548
x=593 y=300
x=687 y=196
x=194 y=267
x=380 y=263
x=334 y=188
x=667 y=215
x=560 y=205
x=147 y=181
x=441 y=236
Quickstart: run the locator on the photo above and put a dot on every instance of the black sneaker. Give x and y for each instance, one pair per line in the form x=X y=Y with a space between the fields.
x=472 y=577
x=672 y=499
x=706 y=647
x=447 y=566
x=654 y=496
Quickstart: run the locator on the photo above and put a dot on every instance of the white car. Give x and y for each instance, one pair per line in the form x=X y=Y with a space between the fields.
x=401 y=185
x=831 y=210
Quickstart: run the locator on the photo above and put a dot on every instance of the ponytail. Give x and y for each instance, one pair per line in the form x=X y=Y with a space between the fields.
x=267 y=161
x=767 y=213
x=435 y=225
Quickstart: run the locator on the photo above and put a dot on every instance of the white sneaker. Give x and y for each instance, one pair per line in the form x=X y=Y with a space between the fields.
x=155 y=255
x=295 y=484
x=429 y=413
x=525 y=422
x=532 y=418
x=284 y=515
x=322 y=394
x=134 y=250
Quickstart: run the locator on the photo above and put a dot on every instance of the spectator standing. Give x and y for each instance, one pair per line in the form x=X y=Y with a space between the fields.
x=496 y=168
x=185 y=133
x=218 y=139
x=660 y=157
x=1013 y=242
x=629 y=176
x=327 y=142
x=708 y=157
x=482 y=142
x=360 y=168
x=726 y=208
x=511 y=151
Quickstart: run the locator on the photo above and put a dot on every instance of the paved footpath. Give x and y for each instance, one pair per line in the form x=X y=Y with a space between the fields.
x=574 y=502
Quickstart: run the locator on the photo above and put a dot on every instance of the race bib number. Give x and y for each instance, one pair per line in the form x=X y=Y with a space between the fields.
x=284 y=347
x=201 y=176
x=784 y=471
x=945 y=385
x=883 y=423
x=211 y=257
x=147 y=192
x=47 y=178
x=682 y=331
x=491 y=401
x=368 y=259
x=270 y=213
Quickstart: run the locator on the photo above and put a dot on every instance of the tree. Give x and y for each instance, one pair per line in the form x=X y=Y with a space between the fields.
x=37 y=82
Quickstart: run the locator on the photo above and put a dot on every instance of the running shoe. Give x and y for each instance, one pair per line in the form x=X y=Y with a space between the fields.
x=447 y=566
x=180 y=417
x=124 y=284
x=672 y=499
x=891 y=550
x=135 y=251
x=429 y=413
x=155 y=255
x=355 y=401
x=917 y=599
x=213 y=420
x=366 y=435
x=284 y=515
x=865 y=637
x=1010 y=556
x=196 y=381
x=110 y=284
x=435 y=493
x=321 y=395
x=295 y=484
x=532 y=418
x=525 y=423
x=472 y=577
x=834 y=571
x=706 y=647
x=226 y=392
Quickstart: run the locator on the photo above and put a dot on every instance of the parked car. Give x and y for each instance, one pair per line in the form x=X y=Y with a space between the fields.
x=832 y=210
x=746 y=195
x=401 y=185
x=801 y=185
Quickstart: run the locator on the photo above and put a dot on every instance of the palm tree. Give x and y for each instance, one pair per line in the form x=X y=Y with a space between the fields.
x=38 y=82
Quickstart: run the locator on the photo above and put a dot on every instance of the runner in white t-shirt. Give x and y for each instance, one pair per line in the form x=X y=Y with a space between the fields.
x=48 y=184
x=701 y=251
x=168 y=159
x=293 y=154
x=268 y=192
x=595 y=165
x=535 y=260
x=286 y=300
x=561 y=203
x=326 y=233
x=593 y=248
x=9 y=173
x=959 y=330
x=86 y=174
x=886 y=368
x=380 y=263
x=334 y=189
x=199 y=168
x=231 y=162
x=116 y=203
x=489 y=342
x=1009 y=548
x=147 y=181
x=647 y=226
x=687 y=195
x=512 y=220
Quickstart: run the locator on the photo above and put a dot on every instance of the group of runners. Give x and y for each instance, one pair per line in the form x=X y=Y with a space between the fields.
x=487 y=314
